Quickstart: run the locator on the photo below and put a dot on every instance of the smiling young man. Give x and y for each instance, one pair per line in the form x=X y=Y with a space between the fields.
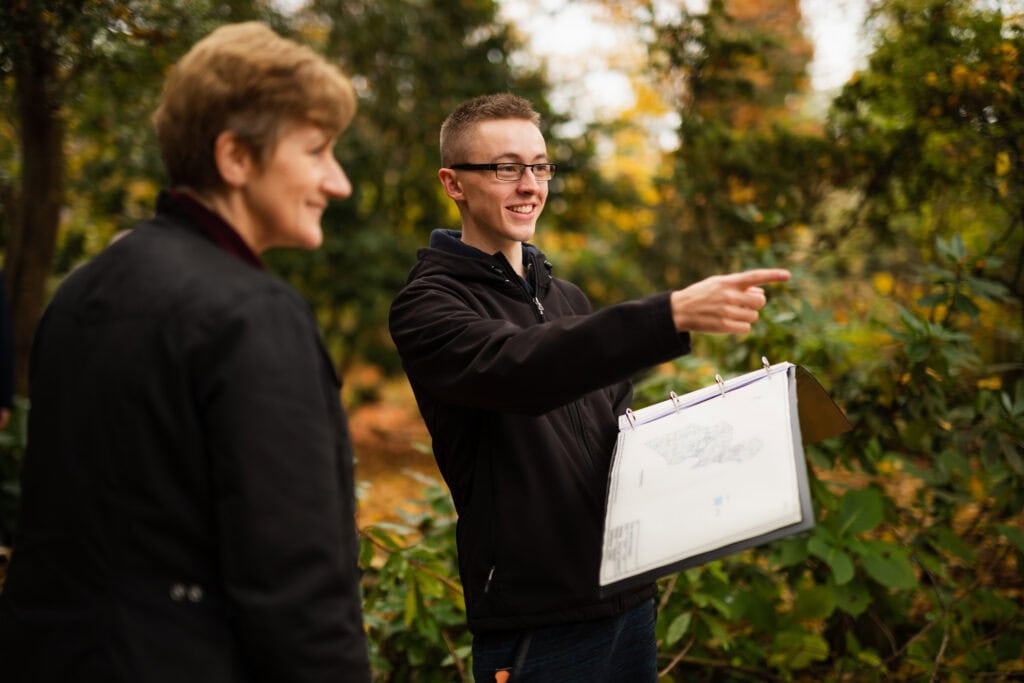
x=520 y=384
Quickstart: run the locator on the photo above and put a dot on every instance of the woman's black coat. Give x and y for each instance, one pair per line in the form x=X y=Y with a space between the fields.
x=188 y=487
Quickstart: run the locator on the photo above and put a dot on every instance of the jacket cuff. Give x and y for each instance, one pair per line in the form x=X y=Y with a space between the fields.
x=676 y=343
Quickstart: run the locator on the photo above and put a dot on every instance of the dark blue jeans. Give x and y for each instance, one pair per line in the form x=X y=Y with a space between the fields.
x=605 y=651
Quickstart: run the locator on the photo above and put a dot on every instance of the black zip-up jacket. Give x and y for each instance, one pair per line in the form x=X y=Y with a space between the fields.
x=521 y=391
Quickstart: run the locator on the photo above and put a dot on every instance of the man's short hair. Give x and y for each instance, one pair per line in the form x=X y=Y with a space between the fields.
x=455 y=129
x=247 y=79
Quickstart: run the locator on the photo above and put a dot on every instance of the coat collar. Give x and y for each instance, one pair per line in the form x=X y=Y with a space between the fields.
x=218 y=230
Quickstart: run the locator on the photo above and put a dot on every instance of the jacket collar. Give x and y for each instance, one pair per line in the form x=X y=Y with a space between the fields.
x=450 y=242
x=216 y=229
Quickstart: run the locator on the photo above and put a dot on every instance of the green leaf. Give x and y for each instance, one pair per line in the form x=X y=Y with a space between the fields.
x=717 y=570
x=957 y=247
x=380 y=532
x=366 y=550
x=428 y=586
x=912 y=322
x=719 y=631
x=954 y=463
x=853 y=598
x=869 y=657
x=918 y=350
x=839 y=561
x=935 y=564
x=797 y=650
x=1013 y=534
x=721 y=606
x=946 y=540
x=814 y=602
x=410 y=605
x=400 y=530
x=964 y=305
x=860 y=510
x=988 y=289
x=787 y=553
x=678 y=628
x=932 y=299
x=1013 y=458
x=461 y=652
x=953 y=250
x=889 y=566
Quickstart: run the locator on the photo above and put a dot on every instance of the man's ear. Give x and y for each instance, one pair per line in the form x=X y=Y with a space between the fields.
x=451 y=184
x=233 y=158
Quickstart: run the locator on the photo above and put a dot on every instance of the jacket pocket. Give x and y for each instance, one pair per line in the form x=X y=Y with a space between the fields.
x=580 y=433
x=173 y=630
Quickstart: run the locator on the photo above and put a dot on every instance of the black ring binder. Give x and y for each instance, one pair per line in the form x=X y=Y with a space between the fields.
x=701 y=460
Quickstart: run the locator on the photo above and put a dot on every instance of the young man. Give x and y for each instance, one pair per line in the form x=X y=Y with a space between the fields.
x=188 y=510
x=520 y=385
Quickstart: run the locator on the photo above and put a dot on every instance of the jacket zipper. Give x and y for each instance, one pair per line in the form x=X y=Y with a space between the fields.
x=490 y=577
x=512 y=276
x=535 y=299
x=530 y=267
x=539 y=307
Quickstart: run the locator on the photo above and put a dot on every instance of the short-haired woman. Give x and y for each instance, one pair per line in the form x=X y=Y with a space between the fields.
x=188 y=507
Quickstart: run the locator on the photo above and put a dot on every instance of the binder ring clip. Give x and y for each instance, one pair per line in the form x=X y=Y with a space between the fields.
x=631 y=418
x=767 y=366
x=675 y=400
x=721 y=385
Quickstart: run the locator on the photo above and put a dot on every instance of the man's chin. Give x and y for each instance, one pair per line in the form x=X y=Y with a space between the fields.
x=524 y=233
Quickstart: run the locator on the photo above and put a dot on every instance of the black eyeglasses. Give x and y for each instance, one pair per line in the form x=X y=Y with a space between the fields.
x=511 y=171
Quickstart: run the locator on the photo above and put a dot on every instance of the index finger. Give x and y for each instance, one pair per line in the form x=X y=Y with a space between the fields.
x=758 y=276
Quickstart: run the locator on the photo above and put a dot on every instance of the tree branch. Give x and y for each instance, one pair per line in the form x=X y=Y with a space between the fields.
x=454 y=587
x=677 y=658
x=668 y=592
x=455 y=657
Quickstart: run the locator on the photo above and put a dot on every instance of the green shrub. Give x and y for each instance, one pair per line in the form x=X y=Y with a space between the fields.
x=413 y=603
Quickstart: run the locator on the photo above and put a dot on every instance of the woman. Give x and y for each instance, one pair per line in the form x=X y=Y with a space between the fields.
x=188 y=509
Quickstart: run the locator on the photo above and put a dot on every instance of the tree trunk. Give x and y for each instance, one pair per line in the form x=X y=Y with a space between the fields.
x=37 y=217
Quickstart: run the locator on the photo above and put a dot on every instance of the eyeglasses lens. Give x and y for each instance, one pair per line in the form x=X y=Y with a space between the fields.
x=515 y=171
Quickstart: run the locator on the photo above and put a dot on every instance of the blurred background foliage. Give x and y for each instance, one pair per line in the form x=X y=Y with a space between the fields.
x=899 y=206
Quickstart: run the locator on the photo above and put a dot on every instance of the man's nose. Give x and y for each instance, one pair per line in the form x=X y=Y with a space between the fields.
x=528 y=181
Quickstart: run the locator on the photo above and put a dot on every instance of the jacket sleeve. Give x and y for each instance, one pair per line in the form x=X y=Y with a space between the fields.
x=450 y=349
x=282 y=471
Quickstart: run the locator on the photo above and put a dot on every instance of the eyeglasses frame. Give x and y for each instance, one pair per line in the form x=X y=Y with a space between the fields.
x=522 y=169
